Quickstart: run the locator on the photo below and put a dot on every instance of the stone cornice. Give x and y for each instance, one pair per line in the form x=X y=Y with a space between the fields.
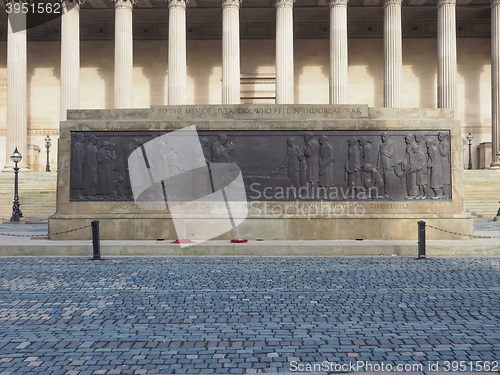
x=284 y=3
x=441 y=3
x=231 y=3
x=177 y=4
x=334 y=3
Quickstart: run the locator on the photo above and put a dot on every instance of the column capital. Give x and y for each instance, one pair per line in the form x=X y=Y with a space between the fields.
x=230 y=3
x=284 y=3
x=495 y=3
x=16 y=1
x=388 y=3
x=333 y=3
x=71 y=4
x=441 y=3
x=124 y=4
x=177 y=4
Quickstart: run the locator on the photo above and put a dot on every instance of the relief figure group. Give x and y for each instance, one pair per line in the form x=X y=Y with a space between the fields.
x=376 y=165
x=94 y=169
x=310 y=166
x=371 y=172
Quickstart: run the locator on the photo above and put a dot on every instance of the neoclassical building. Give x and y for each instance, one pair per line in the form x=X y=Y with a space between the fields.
x=102 y=54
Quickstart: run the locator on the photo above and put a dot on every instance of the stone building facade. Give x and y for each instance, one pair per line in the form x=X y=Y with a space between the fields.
x=384 y=53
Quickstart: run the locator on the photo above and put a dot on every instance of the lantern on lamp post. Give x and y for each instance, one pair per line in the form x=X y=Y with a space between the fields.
x=469 y=139
x=47 y=146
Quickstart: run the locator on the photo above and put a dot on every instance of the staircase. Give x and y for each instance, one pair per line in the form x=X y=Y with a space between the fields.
x=482 y=192
x=37 y=194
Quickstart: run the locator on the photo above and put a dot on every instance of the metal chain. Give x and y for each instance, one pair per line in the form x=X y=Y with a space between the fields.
x=460 y=234
x=42 y=235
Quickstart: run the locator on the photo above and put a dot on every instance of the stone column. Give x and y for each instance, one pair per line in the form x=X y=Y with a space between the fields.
x=70 y=56
x=230 y=51
x=177 y=52
x=17 y=89
x=338 y=52
x=447 y=53
x=393 y=54
x=284 y=52
x=124 y=63
x=495 y=82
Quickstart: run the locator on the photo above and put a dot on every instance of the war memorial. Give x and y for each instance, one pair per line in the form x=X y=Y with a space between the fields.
x=271 y=89
x=320 y=172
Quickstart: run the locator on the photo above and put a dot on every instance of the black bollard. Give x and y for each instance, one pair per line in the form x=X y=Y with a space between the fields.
x=421 y=240
x=96 y=241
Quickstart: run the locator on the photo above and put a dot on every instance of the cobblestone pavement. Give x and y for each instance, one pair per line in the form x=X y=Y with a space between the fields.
x=242 y=315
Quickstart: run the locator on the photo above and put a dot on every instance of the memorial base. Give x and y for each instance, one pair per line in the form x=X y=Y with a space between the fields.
x=374 y=227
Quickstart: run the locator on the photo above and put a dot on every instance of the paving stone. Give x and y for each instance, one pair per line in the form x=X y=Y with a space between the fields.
x=243 y=315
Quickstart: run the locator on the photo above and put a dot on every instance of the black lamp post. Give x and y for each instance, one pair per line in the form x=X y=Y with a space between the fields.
x=16 y=212
x=470 y=138
x=47 y=145
x=497 y=218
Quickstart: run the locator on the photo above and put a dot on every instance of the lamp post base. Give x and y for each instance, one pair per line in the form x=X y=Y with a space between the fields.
x=16 y=213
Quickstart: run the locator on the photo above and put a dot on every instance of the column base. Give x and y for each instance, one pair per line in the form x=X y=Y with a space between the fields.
x=495 y=165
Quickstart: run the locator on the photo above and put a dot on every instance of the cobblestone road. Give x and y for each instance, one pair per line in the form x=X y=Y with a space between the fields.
x=236 y=315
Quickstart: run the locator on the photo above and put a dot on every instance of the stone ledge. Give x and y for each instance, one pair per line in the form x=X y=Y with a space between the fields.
x=471 y=248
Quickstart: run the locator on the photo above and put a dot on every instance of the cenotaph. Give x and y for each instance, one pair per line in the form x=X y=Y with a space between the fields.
x=310 y=172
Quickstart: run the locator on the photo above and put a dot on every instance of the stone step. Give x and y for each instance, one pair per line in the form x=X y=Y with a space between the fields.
x=37 y=194
x=482 y=192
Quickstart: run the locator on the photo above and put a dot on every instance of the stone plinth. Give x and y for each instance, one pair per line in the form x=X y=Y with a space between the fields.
x=389 y=214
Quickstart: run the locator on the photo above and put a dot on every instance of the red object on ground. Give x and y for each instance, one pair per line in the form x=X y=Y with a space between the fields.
x=182 y=241
x=239 y=240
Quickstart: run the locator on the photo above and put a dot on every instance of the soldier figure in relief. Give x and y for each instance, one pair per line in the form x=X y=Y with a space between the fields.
x=421 y=153
x=444 y=151
x=221 y=149
x=436 y=169
x=353 y=167
x=104 y=171
x=128 y=151
x=77 y=167
x=90 y=168
x=409 y=166
x=385 y=162
x=326 y=170
x=292 y=163
x=311 y=152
